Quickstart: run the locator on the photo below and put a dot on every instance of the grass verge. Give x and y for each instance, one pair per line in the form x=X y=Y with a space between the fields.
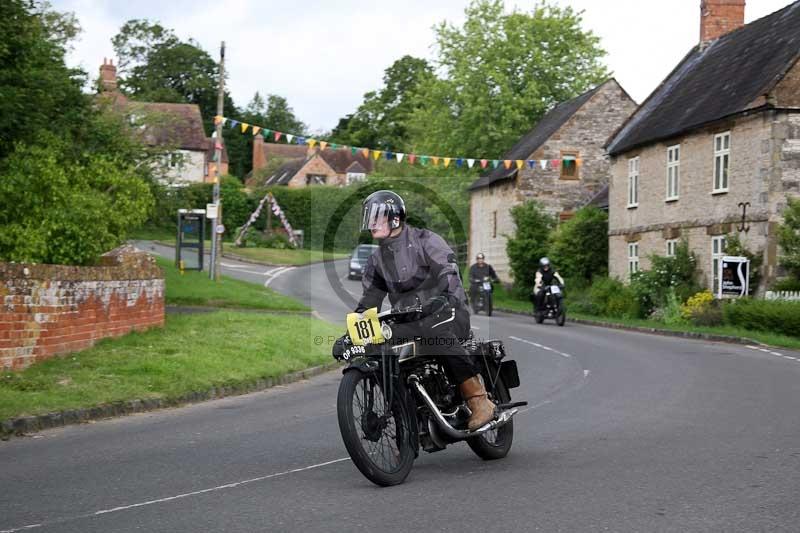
x=274 y=256
x=503 y=301
x=194 y=288
x=192 y=353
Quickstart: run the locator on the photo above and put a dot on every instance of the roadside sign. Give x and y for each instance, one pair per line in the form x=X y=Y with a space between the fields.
x=734 y=277
x=220 y=229
x=211 y=211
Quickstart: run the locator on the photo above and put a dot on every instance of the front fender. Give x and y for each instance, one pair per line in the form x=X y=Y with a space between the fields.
x=365 y=365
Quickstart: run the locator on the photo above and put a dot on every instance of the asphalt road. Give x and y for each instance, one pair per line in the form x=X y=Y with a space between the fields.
x=625 y=432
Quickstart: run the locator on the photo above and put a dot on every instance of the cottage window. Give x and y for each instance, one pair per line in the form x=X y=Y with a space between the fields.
x=717 y=251
x=673 y=171
x=633 y=182
x=722 y=161
x=672 y=246
x=315 y=179
x=569 y=165
x=633 y=257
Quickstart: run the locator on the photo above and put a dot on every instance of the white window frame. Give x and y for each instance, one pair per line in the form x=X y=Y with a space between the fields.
x=672 y=247
x=718 y=243
x=633 y=182
x=633 y=257
x=722 y=162
x=673 y=172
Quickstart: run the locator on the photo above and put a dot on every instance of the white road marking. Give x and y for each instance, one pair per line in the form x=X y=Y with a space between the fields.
x=585 y=373
x=275 y=273
x=778 y=354
x=543 y=347
x=178 y=496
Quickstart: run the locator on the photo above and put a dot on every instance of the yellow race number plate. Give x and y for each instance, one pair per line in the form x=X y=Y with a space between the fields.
x=365 y=328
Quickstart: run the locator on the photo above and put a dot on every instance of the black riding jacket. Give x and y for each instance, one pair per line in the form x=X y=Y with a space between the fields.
x=411 y=268
x=479 y=272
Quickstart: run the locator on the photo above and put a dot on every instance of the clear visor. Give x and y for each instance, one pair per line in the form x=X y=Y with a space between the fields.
x=376 y=216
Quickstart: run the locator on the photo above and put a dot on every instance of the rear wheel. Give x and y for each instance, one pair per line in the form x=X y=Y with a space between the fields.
x=562 y=317
x=378 y=440
x=496 y=443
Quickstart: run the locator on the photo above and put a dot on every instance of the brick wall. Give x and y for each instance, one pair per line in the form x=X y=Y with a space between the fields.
x=52 y=309
x=317 y=166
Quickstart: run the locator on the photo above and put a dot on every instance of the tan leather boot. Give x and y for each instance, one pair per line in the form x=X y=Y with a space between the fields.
x=482 y=408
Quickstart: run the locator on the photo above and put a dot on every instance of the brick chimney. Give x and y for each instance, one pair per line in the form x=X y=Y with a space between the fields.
x=108 y=76
x=718 y=17
x=259 y=159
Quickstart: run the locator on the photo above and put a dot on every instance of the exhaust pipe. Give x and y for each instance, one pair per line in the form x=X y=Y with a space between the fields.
x=445 y=426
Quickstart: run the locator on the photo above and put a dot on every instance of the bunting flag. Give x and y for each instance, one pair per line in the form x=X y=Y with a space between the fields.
x=508 y=164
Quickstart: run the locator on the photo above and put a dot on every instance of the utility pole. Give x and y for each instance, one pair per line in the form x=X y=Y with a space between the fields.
x=216 y=239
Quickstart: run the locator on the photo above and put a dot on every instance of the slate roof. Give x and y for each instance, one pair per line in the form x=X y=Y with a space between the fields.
x=340 y=160
x=544 y=129
x=180 y=125
x=722 y=79
x=285 y=172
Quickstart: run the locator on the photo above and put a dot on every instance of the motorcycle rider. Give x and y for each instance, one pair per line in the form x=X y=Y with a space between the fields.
x=481 y=269
x=544 y=278
x=415 y=266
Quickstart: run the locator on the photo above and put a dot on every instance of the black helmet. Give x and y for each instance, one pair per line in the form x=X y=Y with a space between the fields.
x=380 y=205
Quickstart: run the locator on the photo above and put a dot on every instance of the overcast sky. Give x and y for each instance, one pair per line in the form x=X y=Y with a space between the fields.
x=324 y=55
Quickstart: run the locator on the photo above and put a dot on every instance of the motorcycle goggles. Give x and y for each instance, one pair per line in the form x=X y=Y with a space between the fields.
x=377 y=215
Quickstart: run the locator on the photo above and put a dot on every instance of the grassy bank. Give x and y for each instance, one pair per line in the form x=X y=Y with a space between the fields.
x=192 y=353
x=194 y=288
x=288 y=257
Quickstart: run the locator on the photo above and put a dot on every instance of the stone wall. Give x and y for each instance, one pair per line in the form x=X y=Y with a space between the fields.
x=52 y=309
x=490 y=206
x=316 y=166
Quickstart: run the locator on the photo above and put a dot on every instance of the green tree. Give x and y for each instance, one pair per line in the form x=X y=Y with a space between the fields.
x=500 y=74
x=37 y=90
x=381 y=120
x=54 y=210
x=579 y=247
x=528 y=244
x=789 y=237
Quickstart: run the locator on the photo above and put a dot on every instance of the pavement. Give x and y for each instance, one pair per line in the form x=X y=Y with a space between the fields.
x=624 y=432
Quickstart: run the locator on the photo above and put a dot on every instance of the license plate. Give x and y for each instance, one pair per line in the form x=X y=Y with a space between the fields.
x=365 y=328
x=487 y=286
x=555 y=289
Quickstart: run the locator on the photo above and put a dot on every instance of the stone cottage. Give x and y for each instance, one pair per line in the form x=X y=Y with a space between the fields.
x=720 y=134
x=576 y=130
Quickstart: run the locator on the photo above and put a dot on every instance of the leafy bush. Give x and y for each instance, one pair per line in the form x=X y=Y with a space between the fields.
x=671 y=312
x=766 y=315
x=697 y=304
x=579 y=246
x=675 y=273
x=56 y=210
x=612 y=298
x=255 y=238
x=789 y=237
x=528 y=244
x=786 y=284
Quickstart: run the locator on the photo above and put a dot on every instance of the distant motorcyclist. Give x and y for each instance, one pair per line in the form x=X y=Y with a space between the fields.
x=477 y=272
x=415 y=266
x=545 y=275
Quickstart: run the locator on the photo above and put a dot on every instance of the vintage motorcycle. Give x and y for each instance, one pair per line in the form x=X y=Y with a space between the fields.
x=553 y=306
x=483 y=300
x=393 y=399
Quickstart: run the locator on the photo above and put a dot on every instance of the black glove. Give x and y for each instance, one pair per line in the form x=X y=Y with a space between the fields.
x=435 y=305
x=340 y=346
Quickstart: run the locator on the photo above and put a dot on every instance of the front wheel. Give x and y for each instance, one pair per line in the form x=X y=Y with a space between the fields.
x=496 y=443
x=488 y=304
x=378 y=441
x=538 y=316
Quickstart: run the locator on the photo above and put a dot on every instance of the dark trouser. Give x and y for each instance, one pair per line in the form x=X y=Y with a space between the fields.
x=441 y=335
x=538 y=299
